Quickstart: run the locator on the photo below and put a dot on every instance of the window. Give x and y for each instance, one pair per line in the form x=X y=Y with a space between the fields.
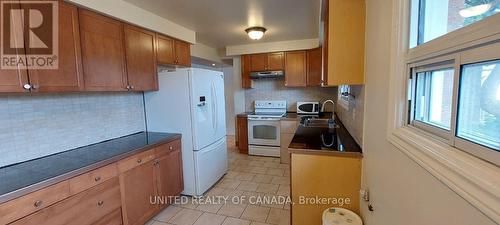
x=433 y=97
x=479 y=104
x=434 y=18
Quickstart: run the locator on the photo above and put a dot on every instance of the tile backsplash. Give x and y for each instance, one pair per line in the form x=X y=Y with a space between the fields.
x=352 y=114
x=37 y=125
x=271 y=89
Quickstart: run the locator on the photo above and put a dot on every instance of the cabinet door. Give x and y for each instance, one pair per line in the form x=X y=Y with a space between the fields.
x=165 y=53
x=141 y=58
x=169 y=174
x=295 y=69
x=314 y=67
x=246 y=82
x=275 y=61
x=183 y=53
x=103 y=53
x=242 y=132
x=13 y=80
x=258 y=62
x=69 y=75
x=137 y=185
x=346 y=42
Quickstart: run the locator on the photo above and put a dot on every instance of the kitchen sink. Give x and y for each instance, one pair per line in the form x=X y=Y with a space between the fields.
x=321 y=123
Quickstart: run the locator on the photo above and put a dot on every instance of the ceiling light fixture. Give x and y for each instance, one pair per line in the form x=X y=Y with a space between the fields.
x=475 y=10
x=255 y=33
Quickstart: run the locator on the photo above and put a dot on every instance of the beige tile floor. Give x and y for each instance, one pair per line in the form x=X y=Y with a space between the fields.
x=248 y=176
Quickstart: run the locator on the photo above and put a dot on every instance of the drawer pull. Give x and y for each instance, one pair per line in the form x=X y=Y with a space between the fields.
x=170 y=147
x=97 y=179
x=100 y=203
x=139 y=160
x=38 y=204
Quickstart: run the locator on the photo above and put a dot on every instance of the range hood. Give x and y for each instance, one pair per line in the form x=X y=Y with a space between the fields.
x=267 y=74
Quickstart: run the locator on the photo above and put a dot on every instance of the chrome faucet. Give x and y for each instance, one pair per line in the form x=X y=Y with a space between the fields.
x=333 y=104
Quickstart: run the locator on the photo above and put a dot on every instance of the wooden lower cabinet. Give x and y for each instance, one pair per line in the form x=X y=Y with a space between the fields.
x=86 y=208
x=288 y=128
x=115 y=194
x=242 y=133
x=325 y=176
x=137 y=186
x=169 y=175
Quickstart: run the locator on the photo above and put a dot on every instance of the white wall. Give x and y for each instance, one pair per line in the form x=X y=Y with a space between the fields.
x=229 y=92
x=402 y=192
x=205 y=52
x=239 y=92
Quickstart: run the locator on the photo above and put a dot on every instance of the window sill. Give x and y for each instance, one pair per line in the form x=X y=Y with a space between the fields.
x=475 y=180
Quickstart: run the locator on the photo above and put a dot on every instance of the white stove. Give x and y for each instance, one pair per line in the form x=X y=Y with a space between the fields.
x=264 y=128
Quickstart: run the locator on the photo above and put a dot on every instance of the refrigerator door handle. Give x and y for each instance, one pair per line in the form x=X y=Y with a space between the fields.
x=214 y=115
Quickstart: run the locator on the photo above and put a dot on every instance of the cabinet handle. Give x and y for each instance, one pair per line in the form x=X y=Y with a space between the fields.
x=132 y=87
x=27 y=86
x=97 y=179
x=38 y=204
x=128 y=87
x=170 y=148
x=139 y=160
x=100 y=203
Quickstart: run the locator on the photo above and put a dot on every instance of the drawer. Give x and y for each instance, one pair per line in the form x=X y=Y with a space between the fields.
x=30 y=203
x=288 y=126
x=92 y=178
x=168 y=147
x=85 y=208
x=136 y=160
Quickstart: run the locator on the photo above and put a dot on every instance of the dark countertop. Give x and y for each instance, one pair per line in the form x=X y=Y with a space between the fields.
x=326 y=141
x=23 y=178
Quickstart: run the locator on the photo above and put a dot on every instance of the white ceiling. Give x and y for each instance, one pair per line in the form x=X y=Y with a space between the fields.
x=220 y=23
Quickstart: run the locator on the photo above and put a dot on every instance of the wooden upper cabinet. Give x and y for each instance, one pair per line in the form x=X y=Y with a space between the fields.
x=267 y=61
x=140 y=52
x=296 y=69
x=345 y=42
x=314 y=65
x=137 y=186
x=69 y=75
x=165 y=50
x=275 y=61
x=258 y=62
x=246 y=82
x=169 y=174
x=173 y=52
x=13 y=80
x=183 y=53
x=103 y=52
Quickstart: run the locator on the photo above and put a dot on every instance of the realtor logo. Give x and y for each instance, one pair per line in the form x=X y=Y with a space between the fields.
x=29 y=35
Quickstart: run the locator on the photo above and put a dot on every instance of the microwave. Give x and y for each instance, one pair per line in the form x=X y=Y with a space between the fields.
x=307 y=107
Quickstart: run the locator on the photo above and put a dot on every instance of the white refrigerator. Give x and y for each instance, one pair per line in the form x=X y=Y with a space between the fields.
x=191 y=102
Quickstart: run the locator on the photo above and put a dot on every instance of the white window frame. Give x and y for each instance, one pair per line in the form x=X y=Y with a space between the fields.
x=475 y=180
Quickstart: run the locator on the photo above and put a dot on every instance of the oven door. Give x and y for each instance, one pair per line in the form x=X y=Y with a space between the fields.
x=264 y=131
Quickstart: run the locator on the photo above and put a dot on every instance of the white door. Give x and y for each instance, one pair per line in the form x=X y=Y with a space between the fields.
x=203 y=100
